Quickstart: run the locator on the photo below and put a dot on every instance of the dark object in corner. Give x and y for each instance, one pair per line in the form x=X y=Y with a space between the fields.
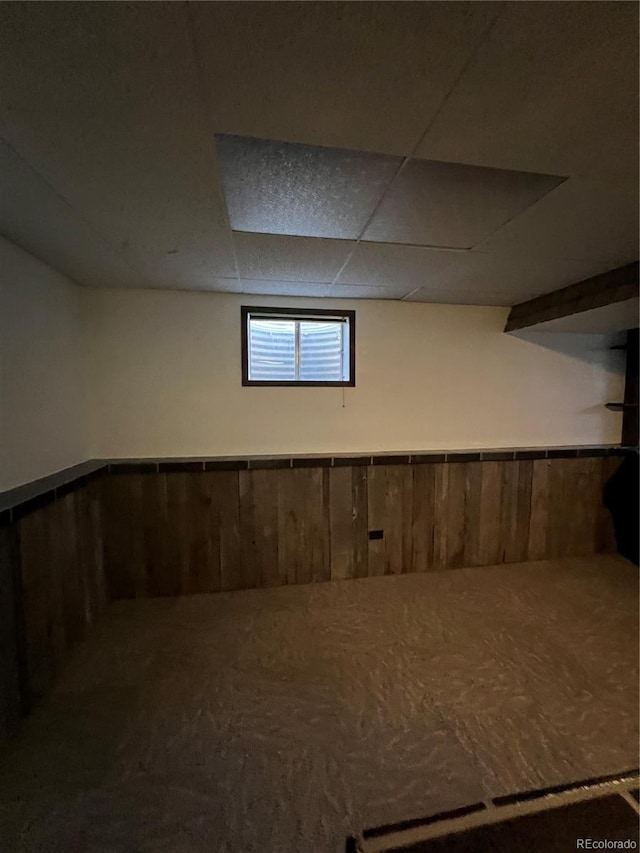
x=621 y=499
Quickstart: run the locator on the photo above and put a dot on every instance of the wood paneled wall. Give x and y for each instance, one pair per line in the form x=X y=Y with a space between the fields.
x=204 y=531
x=52 y=588
x=65 y=554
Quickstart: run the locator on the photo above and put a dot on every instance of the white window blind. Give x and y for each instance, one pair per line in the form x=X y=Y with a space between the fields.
x=297 y=349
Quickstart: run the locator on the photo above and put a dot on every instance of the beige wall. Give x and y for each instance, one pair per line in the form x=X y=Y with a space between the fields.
x=43 y=424
x=166 y=382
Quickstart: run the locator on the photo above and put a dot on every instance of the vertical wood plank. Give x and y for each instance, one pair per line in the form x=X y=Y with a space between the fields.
x=389 y=510
x=406 y=493
x=70 y=573
x=455 y=514
x=517 y=543
x=538 y=524
x=294 y=565
x=116 y=519
x=320 y=531
x=376 y=504
x=179 y=530
x=221 y=531
x=11 y=639
x=162 y=577
x=341 y=521
x=303 y=525
x=53 y=520
x=360 y=492
x=441 y=516
x=265 y=525
x=35 y=559
x=394 y=517
x=423 y=517
x=249 y=574
x=472 y=516
x=559 y=513
x=491 y=513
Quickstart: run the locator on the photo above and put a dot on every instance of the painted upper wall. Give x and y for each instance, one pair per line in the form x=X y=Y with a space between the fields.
x=43 y=423
x=166 y=381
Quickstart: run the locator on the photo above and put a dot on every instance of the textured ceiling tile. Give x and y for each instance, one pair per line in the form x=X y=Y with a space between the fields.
x=302 y=190
x=398 y=267
x=353 y=75
x=221 y=285
x=349 y=291
x=554 y=88
x=285 y=288
x=453 y=205
x=35 y=218
x=581 y=219
x=271 y=256
x=102 y=101
x=452 y=297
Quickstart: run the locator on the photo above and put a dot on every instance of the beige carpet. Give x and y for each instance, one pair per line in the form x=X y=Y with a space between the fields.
x=284 y=720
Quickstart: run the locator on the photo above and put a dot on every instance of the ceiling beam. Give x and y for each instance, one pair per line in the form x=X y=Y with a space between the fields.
x=600 y=290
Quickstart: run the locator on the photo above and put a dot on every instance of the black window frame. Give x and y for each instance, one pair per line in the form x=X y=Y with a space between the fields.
x=296 y=313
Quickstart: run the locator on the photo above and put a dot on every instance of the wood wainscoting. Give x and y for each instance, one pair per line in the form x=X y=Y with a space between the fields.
x=73 y=541
x=52 y=588
x=173 y=533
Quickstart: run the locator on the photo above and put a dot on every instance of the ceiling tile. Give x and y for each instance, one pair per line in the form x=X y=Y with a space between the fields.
x=38 y=220
x=401 y=268
x=102 y=101
x=349 y=291
x=285 y=288
x=453 y=205
x=280 y=258
x=583 y=218
x=365 y=76
x=554 y=88
x=302 y=190
x=450 y=297
x=222 y=285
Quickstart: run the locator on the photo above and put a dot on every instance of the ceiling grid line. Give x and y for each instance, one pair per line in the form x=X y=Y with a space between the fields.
x=205 y=102
x=421 y=139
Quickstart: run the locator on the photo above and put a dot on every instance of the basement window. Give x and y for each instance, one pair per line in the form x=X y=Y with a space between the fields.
x=285 y=346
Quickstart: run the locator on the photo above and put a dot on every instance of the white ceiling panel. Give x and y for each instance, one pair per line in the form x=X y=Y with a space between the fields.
x=38 y=220
x=452 y=297
x=554 y=88
x=452 y=205
x=350 y=291
x=284 y=288
x=401 y=268
x=281 y=258
x=367 y=76
x=583 y=218
x=102 y=101
x=282 y=188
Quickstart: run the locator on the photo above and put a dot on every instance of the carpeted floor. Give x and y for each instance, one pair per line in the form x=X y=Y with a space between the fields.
x=286 y=719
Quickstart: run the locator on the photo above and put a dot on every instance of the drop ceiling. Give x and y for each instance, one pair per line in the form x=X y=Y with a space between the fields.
x=473 y=153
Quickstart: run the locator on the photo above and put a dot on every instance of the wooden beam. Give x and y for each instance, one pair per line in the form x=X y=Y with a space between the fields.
x=600 y=290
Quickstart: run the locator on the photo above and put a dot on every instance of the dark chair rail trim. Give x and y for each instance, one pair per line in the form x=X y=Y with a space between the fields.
x=18 y=502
